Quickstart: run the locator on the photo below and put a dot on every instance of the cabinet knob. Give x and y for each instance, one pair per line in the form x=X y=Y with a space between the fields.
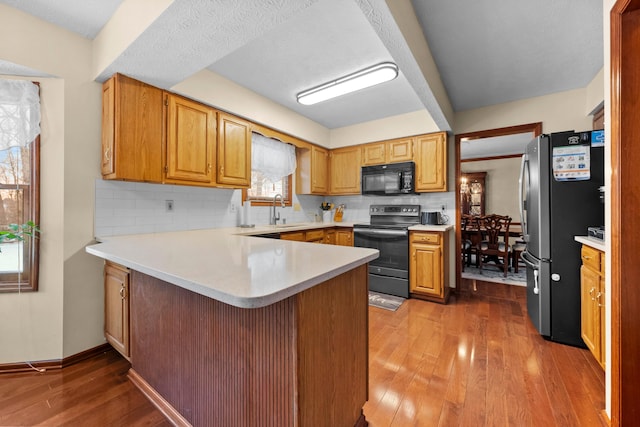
x=122 y=292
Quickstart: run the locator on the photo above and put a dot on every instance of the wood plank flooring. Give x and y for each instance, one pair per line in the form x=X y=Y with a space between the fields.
x=477 y=361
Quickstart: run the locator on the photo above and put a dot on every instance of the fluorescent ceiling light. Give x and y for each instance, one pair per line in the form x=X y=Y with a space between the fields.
x=359 y=80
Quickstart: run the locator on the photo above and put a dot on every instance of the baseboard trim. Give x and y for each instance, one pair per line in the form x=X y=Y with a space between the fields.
x=6 y=368
x=157 y=400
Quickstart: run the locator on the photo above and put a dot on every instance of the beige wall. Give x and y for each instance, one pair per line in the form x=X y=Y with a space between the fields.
x=501 y=183
x=557 y=112
x=65 y=316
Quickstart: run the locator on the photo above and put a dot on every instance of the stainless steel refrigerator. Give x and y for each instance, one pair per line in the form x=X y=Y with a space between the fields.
x=559 y=197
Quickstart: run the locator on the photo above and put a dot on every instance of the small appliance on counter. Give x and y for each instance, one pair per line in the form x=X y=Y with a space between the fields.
x=596 y=233
x=431 y=218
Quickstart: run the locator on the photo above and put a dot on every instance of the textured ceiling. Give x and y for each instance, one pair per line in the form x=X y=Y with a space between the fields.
x=487 y=52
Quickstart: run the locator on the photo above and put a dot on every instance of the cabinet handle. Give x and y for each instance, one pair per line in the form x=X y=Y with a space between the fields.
x=598 y=297
x=122 y=295
x=208 y=167
x=221 y=170
x=107 y=154
x=591 y=291
x=586 y=257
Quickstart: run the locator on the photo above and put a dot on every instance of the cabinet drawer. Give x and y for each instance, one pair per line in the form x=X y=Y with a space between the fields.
x=590 y=257
x=425 y=238
x=313 y=235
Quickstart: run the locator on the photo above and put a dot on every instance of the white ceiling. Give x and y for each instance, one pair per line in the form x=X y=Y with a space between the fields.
x=487 y=52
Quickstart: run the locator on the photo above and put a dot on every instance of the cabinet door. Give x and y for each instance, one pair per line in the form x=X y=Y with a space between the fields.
x=191 y=139
x=132 y=130
x=234 y=151
x=590 y=318
x=330 y=236
x=425 y=270
x=108 y=126
x=600 y=300
x=399 y=150
x=431 y=162
x=373 y=154
x=344 y=164
x=344 y=237
x=116 y=312
x=319 y=166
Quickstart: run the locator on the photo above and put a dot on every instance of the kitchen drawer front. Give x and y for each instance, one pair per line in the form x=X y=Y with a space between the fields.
x=425 y=238
x=590 y=257
x=314 y=235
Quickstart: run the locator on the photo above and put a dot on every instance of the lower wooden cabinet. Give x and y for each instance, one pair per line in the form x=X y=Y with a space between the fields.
x=331 y=236
x=344 y=237
x=116 y=307
x=428 y=265
x=592 y=302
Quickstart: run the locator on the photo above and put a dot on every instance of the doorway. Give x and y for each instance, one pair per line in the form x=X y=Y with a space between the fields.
x=480 y=138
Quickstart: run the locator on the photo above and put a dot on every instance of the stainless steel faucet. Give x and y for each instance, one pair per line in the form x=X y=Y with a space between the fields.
x=276 y=216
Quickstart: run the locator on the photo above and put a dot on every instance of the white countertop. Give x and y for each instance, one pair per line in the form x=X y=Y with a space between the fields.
x=440 y=228
x=594 y=243
x=232 y=266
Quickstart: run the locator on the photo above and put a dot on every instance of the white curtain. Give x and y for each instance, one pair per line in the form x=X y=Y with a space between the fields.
x=274 y=159
x=19 y=113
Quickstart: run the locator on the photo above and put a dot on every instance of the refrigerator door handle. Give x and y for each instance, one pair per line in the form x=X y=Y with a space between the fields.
x=523 y=165
x=536 y=271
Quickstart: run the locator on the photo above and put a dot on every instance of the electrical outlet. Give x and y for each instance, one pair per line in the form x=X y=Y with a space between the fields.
x=443 y=207
x=232 y=208
x=169 y=205
x=296 y=207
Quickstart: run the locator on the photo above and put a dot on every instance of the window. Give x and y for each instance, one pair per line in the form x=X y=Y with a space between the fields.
x=263 y=189
x=19 y=182
x=273 y=163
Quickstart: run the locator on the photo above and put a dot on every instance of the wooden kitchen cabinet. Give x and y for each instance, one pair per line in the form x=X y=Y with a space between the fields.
x=311 y=170
x=592 y=302
x=344 y=167
x=329 y=236
x=391 y=151
x=132 y=130
x=116 y=307
x=296 y=236
x=234 y=151
x=191 y=141
x=431 y=162
x=429 y=266
x=344 y=237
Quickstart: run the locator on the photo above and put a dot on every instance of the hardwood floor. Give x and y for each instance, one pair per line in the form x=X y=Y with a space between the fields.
x=474 y=362
x=477 y=361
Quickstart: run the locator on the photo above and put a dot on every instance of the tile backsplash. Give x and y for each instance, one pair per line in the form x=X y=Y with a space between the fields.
x=134 y=208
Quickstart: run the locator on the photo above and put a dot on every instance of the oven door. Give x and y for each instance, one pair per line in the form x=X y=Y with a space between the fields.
x=393 y=245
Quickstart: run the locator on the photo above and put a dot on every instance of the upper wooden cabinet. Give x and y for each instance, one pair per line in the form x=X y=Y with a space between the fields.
x=132 y=128
x=311 y=170
x=156 y=136
x=431 y=162
x=191 y=140
x=234 y=151
x=392 y=151
x=344 y=164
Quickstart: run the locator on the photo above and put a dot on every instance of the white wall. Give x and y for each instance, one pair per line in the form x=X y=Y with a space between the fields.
x=64 y=316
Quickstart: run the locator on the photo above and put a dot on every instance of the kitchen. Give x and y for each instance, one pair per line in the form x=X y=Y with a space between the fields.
x=79 y=190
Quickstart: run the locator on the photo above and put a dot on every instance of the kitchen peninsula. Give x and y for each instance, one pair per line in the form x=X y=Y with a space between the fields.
x=229 y=329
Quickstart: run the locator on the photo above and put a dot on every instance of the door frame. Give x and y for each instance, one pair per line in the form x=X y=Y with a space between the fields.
x=534 y=128
x=625 y=155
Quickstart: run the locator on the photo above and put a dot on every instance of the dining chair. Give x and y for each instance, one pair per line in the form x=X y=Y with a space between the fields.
x=495 y=243
x=470 y=238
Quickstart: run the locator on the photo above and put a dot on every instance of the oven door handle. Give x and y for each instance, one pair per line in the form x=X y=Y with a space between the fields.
x=381 y=233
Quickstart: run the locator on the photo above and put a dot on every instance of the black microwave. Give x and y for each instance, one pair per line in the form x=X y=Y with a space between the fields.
x=389 y=179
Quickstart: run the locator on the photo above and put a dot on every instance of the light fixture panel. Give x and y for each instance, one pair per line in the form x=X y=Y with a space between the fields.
x=362 y=79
